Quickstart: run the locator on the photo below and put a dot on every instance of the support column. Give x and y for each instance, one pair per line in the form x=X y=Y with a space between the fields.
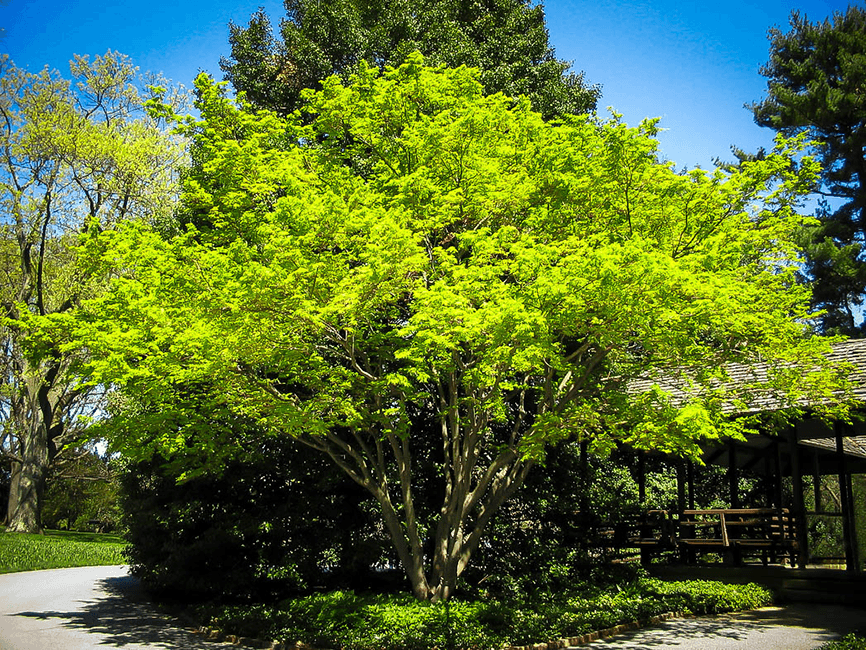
x=733 y=475
x=845 y=497
x=584 y=471
x=816 y=481
x=690 y=477
x=681 y=485
x=777 y=475
x=852 y=518
x=798 y=510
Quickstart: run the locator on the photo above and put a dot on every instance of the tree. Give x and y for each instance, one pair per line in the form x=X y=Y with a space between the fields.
x=73 y=154
x=504 y=276
x=815 y=85
x=506 y=39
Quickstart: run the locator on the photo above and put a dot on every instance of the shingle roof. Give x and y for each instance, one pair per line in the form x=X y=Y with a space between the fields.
x=677 y=383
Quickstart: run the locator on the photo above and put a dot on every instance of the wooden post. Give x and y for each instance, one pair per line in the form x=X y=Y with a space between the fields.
x=798 y=510
x=816 y=480
x=733 y=475
x=847 y=528
x=641 y=477
x=777 y=455
x=852 y=518
x=584 y=471
x=691 y=481
x=681 y=485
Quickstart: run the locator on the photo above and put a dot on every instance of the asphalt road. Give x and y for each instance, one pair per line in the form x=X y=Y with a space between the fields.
x=83 y=609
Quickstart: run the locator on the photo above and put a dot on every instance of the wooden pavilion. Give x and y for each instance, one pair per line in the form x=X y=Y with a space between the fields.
x=810 y=449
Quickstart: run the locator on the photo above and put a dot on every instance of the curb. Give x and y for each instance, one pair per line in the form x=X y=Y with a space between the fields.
x=218 y=636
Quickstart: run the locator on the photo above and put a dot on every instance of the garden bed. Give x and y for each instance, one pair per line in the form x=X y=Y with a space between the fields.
x=353 y=621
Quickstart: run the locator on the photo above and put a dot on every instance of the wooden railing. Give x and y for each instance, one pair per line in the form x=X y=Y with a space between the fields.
x=733 y=533
x=738 y=532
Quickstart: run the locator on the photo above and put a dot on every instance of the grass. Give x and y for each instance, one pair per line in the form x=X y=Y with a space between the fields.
x=58 y=550
x=397 y=622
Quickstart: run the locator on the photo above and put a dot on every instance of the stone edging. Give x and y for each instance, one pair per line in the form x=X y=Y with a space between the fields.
x=216 y=635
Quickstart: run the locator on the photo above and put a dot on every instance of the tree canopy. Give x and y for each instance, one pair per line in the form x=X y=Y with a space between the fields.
x=73 y=154
x=815 y=80
x=501 y=276
x=505 y=39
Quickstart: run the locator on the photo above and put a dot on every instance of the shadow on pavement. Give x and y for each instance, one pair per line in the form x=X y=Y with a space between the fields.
x=795 y=626
x=123 y=616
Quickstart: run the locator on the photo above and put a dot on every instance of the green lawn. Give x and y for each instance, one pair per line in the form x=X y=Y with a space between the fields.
x=57 y=550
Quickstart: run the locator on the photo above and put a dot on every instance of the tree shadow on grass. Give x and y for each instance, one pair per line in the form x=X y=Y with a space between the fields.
x=123 y=616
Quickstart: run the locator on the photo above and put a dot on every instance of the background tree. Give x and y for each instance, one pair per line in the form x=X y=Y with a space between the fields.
x=82 y=491
x=73 y=154
x=816 y=78
x=505 y=39
x=508 y=276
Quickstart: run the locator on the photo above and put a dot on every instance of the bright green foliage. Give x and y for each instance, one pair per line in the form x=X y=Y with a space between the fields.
x=815 y=81
x=506 y=39
x=508 y=276
x=364 y=622
x=56 y=550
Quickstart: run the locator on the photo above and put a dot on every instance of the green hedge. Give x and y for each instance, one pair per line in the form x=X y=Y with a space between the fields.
x=345 y=619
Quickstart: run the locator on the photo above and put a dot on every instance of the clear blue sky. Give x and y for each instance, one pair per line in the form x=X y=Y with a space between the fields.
x=693 y=64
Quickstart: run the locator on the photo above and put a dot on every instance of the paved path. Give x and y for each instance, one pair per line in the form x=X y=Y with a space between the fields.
x=83 y=609
x=794 y=627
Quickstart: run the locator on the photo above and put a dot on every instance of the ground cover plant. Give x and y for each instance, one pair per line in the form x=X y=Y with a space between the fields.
x=355 y=621
x=848 y=642
x=58 y=550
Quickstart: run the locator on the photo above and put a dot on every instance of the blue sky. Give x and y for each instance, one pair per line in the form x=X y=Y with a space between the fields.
x=693 y=64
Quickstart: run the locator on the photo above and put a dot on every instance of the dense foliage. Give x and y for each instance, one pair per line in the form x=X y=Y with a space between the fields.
x=815 y=80
x=366 y=622
x=492 y=274
x=505 y=39
x=263 y=529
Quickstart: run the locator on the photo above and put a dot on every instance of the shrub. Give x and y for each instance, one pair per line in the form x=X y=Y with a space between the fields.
x=259 y=530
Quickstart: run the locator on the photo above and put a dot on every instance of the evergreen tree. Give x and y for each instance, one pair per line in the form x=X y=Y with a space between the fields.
x=816 y=81
x=506 y=39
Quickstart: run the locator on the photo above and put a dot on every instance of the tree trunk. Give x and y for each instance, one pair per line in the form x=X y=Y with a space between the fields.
x=24 y=512
x=39 y=428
